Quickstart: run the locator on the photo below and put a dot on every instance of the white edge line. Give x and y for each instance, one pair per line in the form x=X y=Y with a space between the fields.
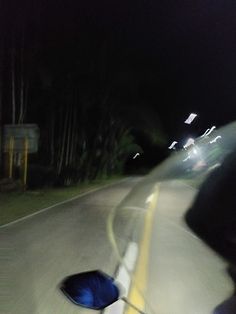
x=123 y=278
x=61 y=203
x=135 y=208
x=195 y=189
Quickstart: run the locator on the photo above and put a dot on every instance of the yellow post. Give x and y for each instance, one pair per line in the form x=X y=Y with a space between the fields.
x=26 y=148
x=11 y=152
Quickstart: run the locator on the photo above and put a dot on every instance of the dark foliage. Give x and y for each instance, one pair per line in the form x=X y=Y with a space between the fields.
x=41 y=176
x=81 y=91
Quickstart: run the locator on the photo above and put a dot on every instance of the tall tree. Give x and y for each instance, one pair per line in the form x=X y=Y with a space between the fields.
x=13 y=79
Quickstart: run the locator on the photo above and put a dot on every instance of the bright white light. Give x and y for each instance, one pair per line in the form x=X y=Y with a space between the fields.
x=215 y=139
x=172 y=145
x=195 y=151
x=189 y=142
x=217 y=165
x=136 y=155
x=212 y=129
x=149 y=198
x=203 y=135
x=187 y=158
x=190 y=119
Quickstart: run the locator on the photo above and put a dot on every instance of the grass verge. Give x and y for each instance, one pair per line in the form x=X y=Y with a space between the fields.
x=196 y=181
x=15 y=205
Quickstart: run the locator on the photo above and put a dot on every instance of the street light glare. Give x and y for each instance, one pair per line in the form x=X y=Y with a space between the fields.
x=189 y=142
x=187 y=158
x=172 y=145
x=190 y=119
x=204 y=134
x=136 y=155
x=215 y=139
x=212 y=129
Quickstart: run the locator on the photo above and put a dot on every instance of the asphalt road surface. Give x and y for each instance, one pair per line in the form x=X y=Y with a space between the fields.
x=183 y=275
x=39 y=252
x=178 y=275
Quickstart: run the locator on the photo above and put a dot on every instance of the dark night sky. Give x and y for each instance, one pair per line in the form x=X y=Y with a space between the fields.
x=187 y=47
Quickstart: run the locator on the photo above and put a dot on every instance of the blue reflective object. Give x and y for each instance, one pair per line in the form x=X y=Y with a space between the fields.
x=93 y=289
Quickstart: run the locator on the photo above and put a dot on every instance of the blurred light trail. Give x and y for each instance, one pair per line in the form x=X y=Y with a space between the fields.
x=172 y=145
x=217 y=165
x=190 y=119
x=204 y=134
x=189 y=142
x=212 y=129
x=136 y=155
x=215 y=139
x=187 y=158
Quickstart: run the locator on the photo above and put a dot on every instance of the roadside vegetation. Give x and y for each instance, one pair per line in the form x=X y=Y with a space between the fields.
x=17 y=204
x=91 y=116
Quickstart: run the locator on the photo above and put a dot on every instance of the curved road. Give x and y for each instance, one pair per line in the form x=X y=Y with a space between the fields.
x=40 y=251
x=180 y=275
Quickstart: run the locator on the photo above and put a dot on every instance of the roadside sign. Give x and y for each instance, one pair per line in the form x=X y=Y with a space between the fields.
x=19 y=133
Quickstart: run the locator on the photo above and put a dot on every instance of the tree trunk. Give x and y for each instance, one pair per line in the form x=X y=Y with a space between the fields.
x=52 y=146
x=22 y=81
x=1 y=118
x=13 y=92
x=69 y=135
x=63 y=145
x=73 y=137
x=26 y=96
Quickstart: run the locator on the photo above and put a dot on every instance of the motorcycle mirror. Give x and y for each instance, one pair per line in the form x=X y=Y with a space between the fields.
x=93 y=289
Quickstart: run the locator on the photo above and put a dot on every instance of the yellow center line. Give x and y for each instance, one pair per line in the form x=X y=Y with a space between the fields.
x=139 y=280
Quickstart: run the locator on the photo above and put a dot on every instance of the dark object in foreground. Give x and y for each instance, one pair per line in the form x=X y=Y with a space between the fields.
x=213 y=213
x=227 y=307
x=213 y=216
x=94 y=289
